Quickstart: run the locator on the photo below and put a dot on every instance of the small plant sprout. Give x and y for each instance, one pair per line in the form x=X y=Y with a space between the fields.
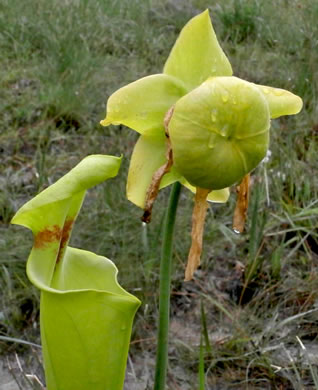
x=86 y=317
x=198 y=125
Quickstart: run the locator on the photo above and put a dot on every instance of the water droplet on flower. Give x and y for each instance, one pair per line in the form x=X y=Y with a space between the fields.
x=225 y=98
x=143 y=115
x=212 y=140
x=267 y=157
x=236 y=231
x=214 y=114
x=278 y=92
x=225 y=130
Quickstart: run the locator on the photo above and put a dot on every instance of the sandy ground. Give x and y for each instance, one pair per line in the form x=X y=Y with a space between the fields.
x=7 y=381
x=134 y=379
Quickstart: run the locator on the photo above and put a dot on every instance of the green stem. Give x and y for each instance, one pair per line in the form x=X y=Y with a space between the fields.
x=164 y=289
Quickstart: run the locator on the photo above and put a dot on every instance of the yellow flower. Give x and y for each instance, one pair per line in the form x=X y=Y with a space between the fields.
x=198 y=125
x=196 y=63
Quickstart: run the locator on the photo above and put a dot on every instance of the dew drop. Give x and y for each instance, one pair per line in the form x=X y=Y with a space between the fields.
x=123 y=327
x=143 y=115
x=225 y=98
x=236 y=231
x=214 y=115
x=225 y=130
x=278 y=92
x=212 y=140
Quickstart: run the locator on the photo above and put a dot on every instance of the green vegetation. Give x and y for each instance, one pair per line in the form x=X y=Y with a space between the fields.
x=81 y=300
x=60 y=60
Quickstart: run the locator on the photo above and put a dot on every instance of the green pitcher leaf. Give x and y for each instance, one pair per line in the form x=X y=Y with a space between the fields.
x=197 y=54
x=86 y=317
x=51 y=214
x=143 y=104
x=91 y=171
x=280 y=101
x=86 y=324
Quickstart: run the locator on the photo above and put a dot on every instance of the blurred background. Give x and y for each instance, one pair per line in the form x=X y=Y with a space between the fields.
x=254 y=300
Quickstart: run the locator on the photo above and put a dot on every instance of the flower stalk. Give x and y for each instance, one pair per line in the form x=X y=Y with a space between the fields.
x=164 y=289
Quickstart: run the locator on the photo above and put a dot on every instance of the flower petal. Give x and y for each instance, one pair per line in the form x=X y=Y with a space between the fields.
x=218 y=196
x=149 y=154
x=280 y=101
x=170 y=178
x=143 y=104
x=197 y=54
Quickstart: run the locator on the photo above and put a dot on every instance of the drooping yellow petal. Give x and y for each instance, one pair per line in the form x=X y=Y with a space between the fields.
x=170 y=178
x=149 y=154
x=217 y=196
x=197 y=54
x=143 y=104
x=280 y=101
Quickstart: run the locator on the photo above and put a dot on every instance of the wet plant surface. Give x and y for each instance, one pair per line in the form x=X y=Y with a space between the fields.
x=258 y=289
